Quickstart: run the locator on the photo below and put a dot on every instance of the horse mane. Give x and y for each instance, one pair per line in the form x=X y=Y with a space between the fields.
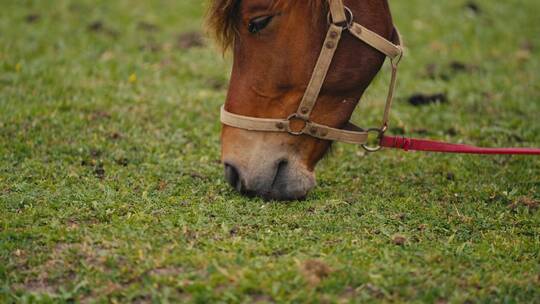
x=222 y=16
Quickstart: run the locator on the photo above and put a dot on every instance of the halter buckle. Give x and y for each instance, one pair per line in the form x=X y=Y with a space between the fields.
x=292 y=118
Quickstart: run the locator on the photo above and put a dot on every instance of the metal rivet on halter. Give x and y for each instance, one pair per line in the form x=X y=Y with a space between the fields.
x=280 y=125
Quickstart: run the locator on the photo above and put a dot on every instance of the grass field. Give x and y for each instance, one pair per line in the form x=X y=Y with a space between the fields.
x=111 y=188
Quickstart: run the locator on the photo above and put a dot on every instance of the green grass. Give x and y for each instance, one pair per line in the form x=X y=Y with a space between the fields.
x=111 y=188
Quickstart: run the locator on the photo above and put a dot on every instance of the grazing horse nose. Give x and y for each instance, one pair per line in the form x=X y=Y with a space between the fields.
x=276 y=180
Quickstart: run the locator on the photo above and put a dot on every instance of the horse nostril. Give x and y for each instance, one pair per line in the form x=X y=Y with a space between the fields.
x=232 y=177
x=282 y=164
x=280 y=171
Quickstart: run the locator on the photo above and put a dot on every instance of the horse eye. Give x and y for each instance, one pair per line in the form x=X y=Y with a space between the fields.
x=258 y=24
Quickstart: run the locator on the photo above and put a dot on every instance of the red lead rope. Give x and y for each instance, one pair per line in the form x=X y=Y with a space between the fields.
x=411 y=144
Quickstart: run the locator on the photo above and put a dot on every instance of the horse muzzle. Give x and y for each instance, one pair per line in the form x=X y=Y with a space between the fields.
x=280 y=179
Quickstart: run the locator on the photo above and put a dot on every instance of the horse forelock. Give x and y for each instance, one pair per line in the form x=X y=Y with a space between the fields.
x=222 y=16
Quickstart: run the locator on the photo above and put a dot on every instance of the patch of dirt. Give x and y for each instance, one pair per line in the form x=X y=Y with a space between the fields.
x=32 y=18
x=38 y=279
x=99 y=27
x=458 y=66
x=99 y=171
x=104 y=290
x=162 y=185
x=197 y=175
x=425 y=99
x=527 y=202
x=86 y=162
x=72 y=224
x=98 y=115
x=279 y=252
x=190 y=235
x=94 y=153
x=122 y=161
x=21 y=259
x=373 y=290
x=96 y=26
x=115 y=136
x=491 y=96
x=314 y=271
x=261 y=298
x=399 y=240
x=93 y=158
x=166 y=271
x=190 y=40
x=142 y=299
x=234 y=231
x=400 y=216
x=58 y=270
x=37 y=287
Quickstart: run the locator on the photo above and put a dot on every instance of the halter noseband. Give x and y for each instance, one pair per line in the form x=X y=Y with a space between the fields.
x=340 y=19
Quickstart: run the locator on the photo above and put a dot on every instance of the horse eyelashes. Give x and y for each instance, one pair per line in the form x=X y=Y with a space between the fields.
x=258 y=24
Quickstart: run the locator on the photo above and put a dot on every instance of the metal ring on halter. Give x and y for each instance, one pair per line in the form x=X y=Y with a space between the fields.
x=301 y=131
x=350 y=18
x=380 y=133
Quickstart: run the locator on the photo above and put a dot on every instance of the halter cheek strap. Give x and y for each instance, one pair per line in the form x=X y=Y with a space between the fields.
x=341 y=19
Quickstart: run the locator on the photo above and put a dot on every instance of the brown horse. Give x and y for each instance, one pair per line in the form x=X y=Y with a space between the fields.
x=275 y=46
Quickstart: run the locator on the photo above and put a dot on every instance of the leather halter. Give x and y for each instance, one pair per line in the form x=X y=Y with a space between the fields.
x=341 y=19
